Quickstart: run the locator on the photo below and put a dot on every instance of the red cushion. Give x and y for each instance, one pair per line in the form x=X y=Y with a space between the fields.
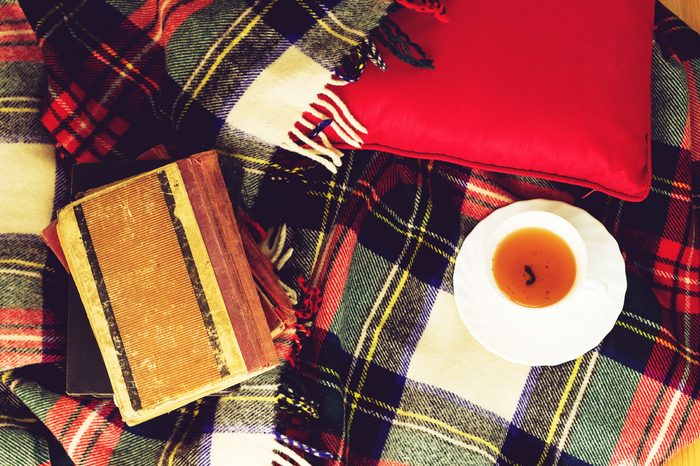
x=555 y=89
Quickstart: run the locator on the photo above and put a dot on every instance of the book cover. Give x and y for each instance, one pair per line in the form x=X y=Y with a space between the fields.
x=159 y=265
x=86 y=374
x=85 y=371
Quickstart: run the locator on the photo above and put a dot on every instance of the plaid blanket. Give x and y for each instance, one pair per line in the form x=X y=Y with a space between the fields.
x=387 y=374
x=124 y=76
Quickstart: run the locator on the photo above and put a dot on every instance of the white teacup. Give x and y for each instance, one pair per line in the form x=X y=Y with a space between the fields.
x=554 y=224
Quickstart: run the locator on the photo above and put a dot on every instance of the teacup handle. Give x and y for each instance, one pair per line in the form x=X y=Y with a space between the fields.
x=595 y=285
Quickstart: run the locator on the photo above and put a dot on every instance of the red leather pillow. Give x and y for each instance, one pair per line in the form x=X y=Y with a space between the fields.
x=554 y=89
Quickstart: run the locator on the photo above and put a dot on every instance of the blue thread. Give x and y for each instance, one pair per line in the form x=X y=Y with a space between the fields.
x=320 y=127
x=302 y=446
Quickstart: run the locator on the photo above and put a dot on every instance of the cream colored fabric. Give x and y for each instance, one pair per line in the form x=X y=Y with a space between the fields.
x=448 y=357
x=27 y=183
x=277 y=98
x=251 y=449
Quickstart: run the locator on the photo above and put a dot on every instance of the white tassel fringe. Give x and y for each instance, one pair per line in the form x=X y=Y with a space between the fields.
x=343 y=123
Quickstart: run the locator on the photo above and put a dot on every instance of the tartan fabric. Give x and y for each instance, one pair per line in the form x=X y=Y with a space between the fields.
x=116 y=86
x=186 y=73
x=387 y=375
x=396 y=377
x=30 y=331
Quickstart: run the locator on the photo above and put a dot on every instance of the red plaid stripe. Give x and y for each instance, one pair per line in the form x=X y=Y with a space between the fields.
x=337 y=277
x=89 y=432
x=652 y=423
x=660 y=417
x=670 y=362
x=151 y=17
x=29 y=336
x=17 y=40
x=75 y=121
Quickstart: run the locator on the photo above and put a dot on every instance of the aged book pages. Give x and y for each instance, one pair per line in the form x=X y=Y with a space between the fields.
x=278 y=309
x=173 y=307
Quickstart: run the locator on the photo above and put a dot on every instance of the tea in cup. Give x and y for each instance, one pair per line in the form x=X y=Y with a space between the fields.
x=536 y=259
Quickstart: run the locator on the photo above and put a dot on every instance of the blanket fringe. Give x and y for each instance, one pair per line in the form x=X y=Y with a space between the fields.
x=354 y=63
x=285 y=440
x=296 y=413
x=400 y=44
x=390 y=35
x=309 y=304
x=338 y=129
x=435 y=7
x=290 y=341
x=327 y=112
x=285 y=456
x=272 y=244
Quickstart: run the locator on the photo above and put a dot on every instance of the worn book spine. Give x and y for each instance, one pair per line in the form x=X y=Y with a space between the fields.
x=217 y=223
x=147 y=277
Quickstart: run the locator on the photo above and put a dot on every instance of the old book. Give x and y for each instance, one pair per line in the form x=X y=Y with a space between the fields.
x=86 y=374
x=159 y=265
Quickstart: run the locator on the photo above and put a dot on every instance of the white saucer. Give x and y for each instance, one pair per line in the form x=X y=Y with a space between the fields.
x=554 y=334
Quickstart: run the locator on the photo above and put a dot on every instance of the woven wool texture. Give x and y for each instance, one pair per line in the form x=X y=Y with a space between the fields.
x=387 y=375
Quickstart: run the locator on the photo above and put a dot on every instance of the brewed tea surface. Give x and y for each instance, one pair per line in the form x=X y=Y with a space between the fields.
x=534 y=267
